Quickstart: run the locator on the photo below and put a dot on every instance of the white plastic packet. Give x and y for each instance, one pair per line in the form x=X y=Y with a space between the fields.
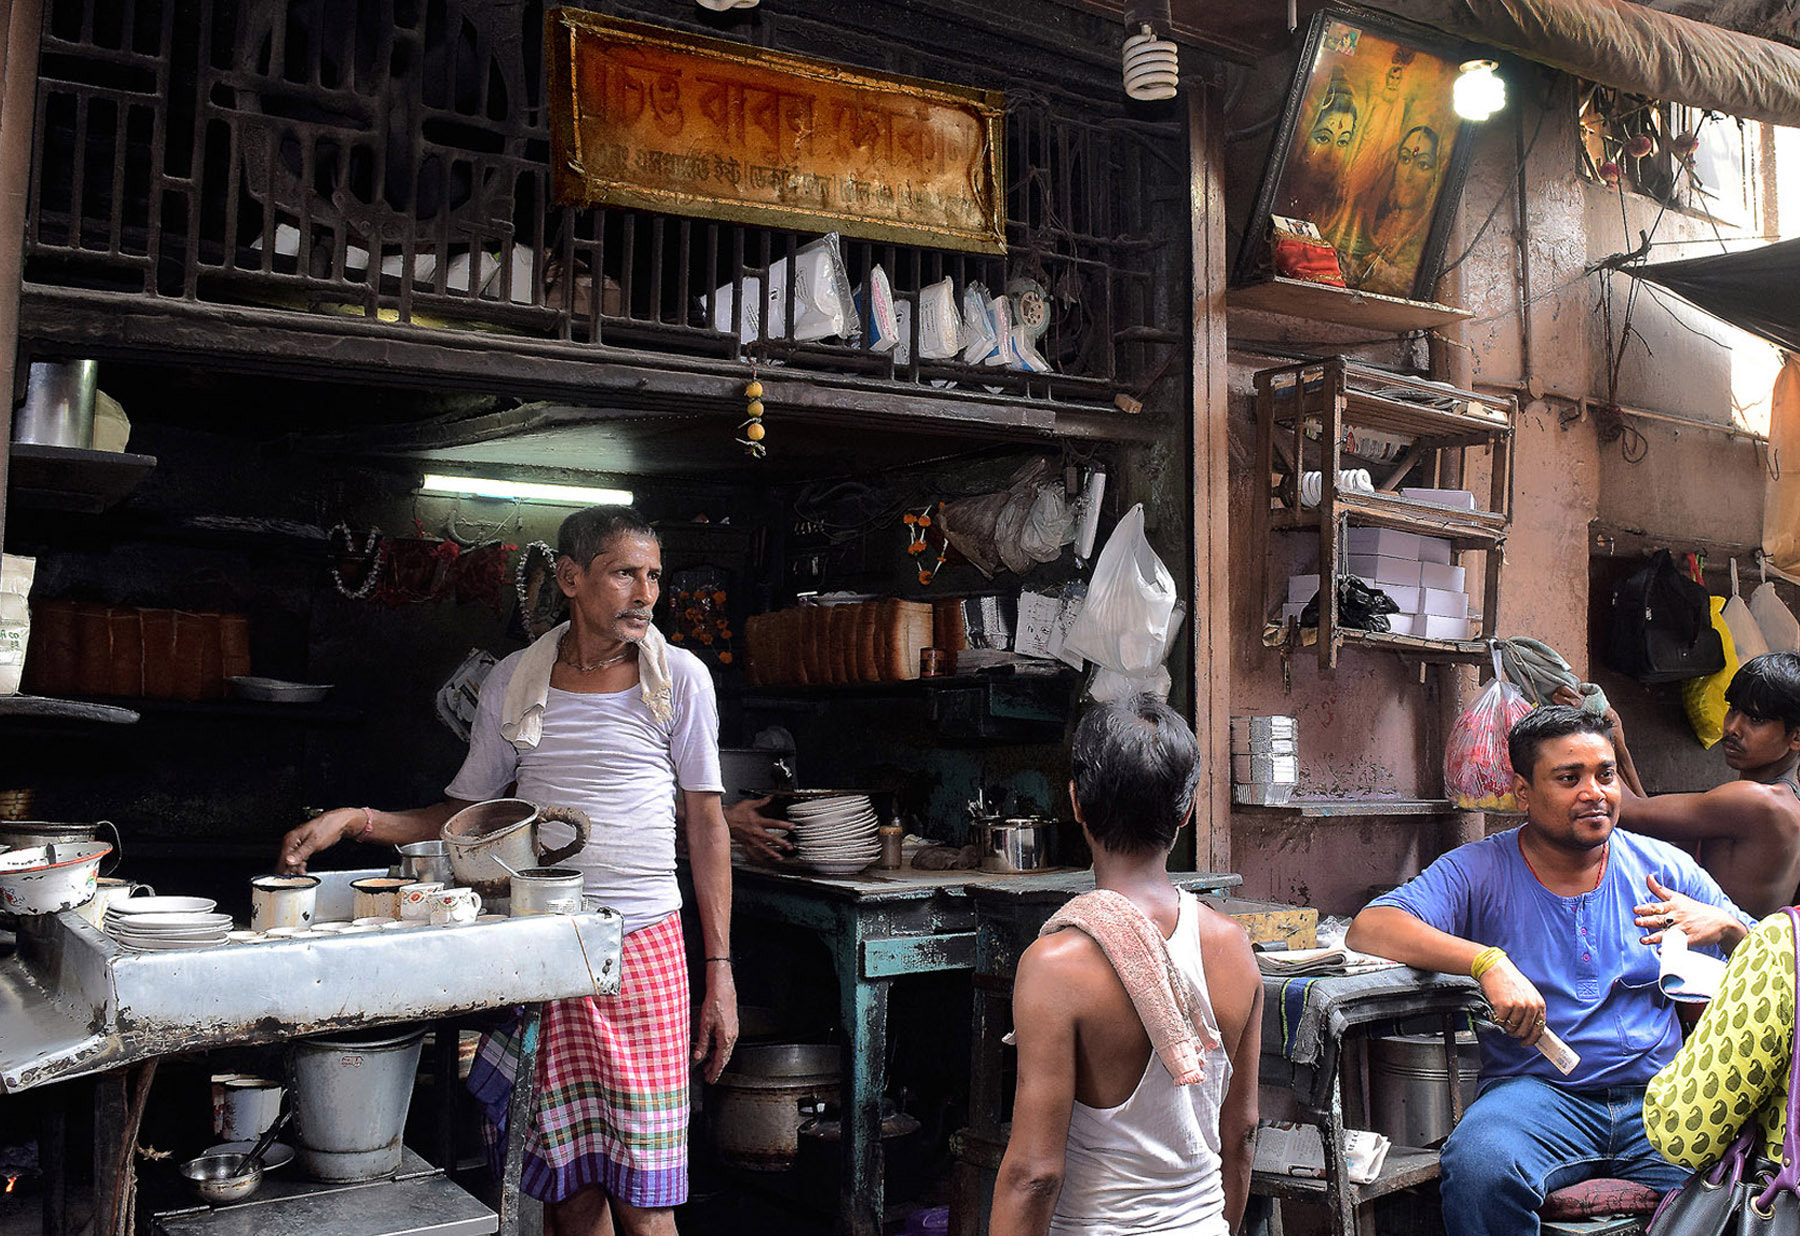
x=903 y=315
x=16 y=573
x=940 y=325
x=879 y=311
x=461 y=692
x=1774 y=619
x=1003 y=355
x=978 y=340
x=823 y=303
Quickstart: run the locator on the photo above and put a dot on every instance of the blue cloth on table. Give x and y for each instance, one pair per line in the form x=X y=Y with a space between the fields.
x=1302 y=1015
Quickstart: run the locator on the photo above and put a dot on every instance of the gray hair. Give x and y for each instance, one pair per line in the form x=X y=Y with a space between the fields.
x=591 y=531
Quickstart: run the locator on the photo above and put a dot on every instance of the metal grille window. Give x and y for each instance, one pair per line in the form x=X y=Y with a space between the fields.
x=388 y=159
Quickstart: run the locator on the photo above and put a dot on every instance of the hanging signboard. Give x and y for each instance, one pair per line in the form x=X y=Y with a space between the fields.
x=646 y=117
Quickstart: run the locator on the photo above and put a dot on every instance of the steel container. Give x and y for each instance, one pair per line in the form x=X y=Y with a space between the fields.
x=546 y=890
x=425 y=861
x=1016 y=845
x=27 y=834
x=350 y=1096
x=490 y=841
x=1409 y=1091
x=755 y=1106
x=59 y=404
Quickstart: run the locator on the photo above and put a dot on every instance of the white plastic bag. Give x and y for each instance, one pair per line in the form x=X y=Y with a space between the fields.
x=1129 y=620
x=1780 y=630
x=16 y=573
x=1746 y=632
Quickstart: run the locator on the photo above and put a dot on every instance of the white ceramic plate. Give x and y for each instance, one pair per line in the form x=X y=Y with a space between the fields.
x=277 y=691
x=160 y=905
x=840 y=869
x=174 y=920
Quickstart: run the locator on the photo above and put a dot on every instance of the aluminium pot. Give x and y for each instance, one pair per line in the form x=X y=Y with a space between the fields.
x=490 y=842
x=27 y=834
x=350 y=1097
x=1409 y=1090
x=59 y=404
x=46 y=879
x=755 y=1108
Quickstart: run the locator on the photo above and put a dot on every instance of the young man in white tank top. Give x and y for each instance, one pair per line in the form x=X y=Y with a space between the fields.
x=1103 y=1139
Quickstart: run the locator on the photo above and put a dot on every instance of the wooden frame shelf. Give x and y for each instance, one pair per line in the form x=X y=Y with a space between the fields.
x=70 y=478
x=1302 y=298
x=1404 y=1167
x=1302 y=414
x=1351 y=808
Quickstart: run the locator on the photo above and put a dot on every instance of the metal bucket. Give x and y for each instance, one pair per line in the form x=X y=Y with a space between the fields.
x=1016 y=845
x=1409 y=1092
x=491 y=840
x=350 y=1096
x=755 y=1104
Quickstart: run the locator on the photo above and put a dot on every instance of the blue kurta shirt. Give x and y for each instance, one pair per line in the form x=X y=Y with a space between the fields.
x=1583 y=953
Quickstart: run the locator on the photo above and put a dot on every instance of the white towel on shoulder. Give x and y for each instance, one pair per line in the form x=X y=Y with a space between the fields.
x=522 y=710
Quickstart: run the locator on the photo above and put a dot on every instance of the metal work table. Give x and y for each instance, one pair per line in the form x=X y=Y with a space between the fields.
x=879 y=928
x=414 y=1201
x=73 y=1004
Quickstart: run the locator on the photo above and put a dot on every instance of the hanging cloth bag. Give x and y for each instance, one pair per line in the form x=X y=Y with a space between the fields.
x=1744 y=1194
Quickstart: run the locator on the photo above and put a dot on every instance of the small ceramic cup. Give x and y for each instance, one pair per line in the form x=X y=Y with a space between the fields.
x=451 y=906
x=415 y=900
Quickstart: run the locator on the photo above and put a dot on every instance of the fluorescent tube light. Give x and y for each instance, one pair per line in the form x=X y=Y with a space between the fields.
x=524 y=491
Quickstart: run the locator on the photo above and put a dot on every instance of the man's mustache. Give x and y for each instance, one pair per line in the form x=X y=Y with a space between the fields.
x=641 y=615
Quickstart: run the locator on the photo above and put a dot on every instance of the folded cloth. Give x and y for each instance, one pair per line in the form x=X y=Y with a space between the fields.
x=1538 y=670
x=1140 y=957
x=522 y=710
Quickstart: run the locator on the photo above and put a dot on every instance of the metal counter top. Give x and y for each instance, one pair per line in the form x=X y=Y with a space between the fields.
x=73 y=1003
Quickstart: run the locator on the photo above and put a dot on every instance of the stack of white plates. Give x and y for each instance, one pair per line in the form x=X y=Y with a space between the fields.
x=166 y=924
x=835 y=836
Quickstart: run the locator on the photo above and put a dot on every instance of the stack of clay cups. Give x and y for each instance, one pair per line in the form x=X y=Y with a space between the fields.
x=1265 y=760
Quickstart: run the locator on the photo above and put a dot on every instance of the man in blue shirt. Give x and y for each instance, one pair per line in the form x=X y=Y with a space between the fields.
x=1555 y=919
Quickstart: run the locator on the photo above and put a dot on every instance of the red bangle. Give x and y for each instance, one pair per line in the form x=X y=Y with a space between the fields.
x=368 y=824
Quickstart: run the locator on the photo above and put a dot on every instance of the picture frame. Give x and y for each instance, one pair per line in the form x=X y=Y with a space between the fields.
x=1370 y=151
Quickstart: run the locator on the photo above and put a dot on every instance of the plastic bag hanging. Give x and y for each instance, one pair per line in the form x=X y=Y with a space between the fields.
x=1130 y=617
x=1780 y=630
x=1478 y=771
x=1746 y=632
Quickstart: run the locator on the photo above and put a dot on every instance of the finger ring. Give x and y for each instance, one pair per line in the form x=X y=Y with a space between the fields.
x=1540 y=1019
x=1668 y=922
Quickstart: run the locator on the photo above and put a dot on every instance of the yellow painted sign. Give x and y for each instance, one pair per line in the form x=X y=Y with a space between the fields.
x=649 y=118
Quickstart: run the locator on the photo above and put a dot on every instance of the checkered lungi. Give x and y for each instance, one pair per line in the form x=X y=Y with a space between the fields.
x=612 y=1074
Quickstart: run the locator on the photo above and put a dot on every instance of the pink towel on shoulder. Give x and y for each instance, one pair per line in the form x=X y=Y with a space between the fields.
x=1140 y=957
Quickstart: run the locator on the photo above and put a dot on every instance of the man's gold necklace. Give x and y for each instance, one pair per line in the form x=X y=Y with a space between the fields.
x=562 y=649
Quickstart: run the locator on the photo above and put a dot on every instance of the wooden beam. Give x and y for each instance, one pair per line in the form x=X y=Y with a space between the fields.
x=1209 y=625
x=24 y=20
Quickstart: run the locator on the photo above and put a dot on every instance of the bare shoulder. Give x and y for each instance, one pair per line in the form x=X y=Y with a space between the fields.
x=1221 y=933
x=1066 y=956
x=1772 y=801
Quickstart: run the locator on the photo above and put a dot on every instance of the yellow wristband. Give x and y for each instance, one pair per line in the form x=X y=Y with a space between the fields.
x=1486 y=960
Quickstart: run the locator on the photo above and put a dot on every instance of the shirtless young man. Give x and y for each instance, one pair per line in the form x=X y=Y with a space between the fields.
x=1747 y=831
x=1103 y=1139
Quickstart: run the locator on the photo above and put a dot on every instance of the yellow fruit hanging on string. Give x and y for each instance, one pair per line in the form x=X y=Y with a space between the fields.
x=755 y=409
x=753 y=390
x=754 y=431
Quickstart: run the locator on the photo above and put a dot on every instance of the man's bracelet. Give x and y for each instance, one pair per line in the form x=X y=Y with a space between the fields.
x=368 y=824
x=1486 y=960
x=710 y=960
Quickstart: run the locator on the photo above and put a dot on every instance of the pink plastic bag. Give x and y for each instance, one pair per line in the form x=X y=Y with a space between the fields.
x=1478 y=774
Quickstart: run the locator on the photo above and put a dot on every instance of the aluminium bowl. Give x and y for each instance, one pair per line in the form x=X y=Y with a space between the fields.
x=221 y=1179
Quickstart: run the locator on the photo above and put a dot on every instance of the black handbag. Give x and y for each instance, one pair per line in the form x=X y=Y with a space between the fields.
x=1744 y=1194
x=1660 y=629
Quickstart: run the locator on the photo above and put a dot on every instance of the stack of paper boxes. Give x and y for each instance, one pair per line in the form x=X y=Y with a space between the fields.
x=1417 y=571
x=1265 y=760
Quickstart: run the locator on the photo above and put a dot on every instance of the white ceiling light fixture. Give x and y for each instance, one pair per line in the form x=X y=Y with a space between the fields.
x=523 y=491
x=1150 y=61
x=1479 y=91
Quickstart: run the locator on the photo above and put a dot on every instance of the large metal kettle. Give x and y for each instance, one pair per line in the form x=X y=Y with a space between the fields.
x=490 y=842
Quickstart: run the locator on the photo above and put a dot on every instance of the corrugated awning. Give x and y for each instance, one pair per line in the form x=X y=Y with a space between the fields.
x=1630 y=47
x=1753 y=289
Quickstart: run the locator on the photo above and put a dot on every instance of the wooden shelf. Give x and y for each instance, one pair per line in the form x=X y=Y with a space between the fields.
x=323 y=712
x=1418 y=648
x=68 y=478
x=1352 y=808
x=1405 y=1167
x=1463 y=529
x=1345 y=306
x=41 y=707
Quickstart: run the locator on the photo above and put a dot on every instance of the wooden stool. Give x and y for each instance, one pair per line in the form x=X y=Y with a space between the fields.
x=1601 y=1206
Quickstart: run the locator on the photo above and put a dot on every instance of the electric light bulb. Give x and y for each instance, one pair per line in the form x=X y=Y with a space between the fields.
x=1479 y=91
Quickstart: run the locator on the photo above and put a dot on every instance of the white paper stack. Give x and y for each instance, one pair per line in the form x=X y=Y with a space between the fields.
x=1265 y=760
x=1297 y=1150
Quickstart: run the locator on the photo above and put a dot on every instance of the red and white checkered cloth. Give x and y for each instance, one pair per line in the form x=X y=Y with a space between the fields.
x=612 y=1074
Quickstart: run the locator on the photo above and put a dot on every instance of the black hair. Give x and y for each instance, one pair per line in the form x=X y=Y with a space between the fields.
x=1767 y=688
x=1544 y=724
x=591 y=531
x=1135 y=765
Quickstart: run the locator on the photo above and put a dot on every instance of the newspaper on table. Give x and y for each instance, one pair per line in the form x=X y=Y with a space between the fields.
x=1685 y=975
x=1319 y=962
x=1289 y=1149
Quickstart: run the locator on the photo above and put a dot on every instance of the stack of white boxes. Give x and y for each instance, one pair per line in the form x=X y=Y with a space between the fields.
x=1265 y=760
x=1417 y=571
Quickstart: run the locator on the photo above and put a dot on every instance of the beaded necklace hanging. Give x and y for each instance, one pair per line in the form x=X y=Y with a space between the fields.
x=371 y=550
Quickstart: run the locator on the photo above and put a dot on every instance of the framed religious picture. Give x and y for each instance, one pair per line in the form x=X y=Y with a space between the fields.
x=1370 y=152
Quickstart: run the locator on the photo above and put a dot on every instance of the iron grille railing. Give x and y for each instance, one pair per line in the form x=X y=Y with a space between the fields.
x=389 y=158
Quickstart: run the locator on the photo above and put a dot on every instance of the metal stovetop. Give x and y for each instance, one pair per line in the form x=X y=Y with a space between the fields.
x=72 y=1002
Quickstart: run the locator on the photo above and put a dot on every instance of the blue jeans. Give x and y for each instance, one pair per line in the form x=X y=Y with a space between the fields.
x=1524 y=1138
